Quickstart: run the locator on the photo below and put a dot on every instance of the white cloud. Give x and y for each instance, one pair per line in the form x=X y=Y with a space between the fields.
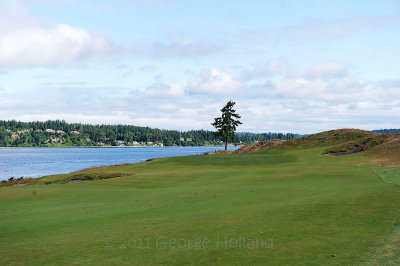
x=159 y=89
x=274 y=67
x=184 y=47
x=26 y=40
x=148 y=68
x=277 y=65
x=213 y=81
x=327 y=70
x=282 y=67
x=324 y=70
x=299 y=104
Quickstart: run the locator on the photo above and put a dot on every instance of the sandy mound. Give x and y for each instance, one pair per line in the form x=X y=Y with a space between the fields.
x=262 y=145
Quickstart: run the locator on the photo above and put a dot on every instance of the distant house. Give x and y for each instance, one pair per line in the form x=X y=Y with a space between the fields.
x=149 y=143
x=182 y=139
x=49 y=130
x=23 y=131
x=135 y=142
x=60 y=132
x=120 y=141
x=188 y=139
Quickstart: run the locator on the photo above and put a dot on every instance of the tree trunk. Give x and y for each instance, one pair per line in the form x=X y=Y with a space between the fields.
x=226 y=144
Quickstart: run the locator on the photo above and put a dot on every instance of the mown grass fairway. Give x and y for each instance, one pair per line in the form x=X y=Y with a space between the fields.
x=315 y=209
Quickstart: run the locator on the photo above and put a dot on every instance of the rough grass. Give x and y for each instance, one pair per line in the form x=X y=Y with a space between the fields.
x=342 y=140
x=17 y=182
x=359 y=145
x=78 y=176
x=387 y=154
x=220 y=152
x=262 y=145
x=328 y=138
x=308 y=209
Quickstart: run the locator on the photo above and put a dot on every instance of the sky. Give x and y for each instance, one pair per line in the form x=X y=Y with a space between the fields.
x=290 y=66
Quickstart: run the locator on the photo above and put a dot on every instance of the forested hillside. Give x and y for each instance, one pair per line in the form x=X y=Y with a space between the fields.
x=387 y=131
x=60 y=133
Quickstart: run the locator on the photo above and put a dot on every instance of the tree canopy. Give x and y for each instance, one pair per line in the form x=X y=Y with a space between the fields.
x=60 y=133
x=227 y=123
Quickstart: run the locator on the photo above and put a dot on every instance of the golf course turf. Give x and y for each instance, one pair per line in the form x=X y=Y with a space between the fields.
x=280 y=206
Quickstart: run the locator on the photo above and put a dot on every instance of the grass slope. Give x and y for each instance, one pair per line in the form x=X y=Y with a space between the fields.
x=328 y=138
x=308 y=208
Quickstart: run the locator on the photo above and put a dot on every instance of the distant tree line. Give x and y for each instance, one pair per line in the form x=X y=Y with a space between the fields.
x=60 y=133
x=387 y=131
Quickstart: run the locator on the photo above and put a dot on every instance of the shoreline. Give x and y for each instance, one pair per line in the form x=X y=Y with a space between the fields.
x=103 y=165
x=116 y=147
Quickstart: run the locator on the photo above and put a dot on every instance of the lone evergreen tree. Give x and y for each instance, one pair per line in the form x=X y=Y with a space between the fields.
x=227 y=123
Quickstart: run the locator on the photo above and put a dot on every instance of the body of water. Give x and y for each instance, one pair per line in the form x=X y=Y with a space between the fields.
x=36 y=162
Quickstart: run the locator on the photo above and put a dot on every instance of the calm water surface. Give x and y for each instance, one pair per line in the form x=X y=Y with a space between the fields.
x=36 y=162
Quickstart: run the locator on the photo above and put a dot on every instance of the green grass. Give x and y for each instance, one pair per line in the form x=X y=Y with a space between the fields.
x=308 y=205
